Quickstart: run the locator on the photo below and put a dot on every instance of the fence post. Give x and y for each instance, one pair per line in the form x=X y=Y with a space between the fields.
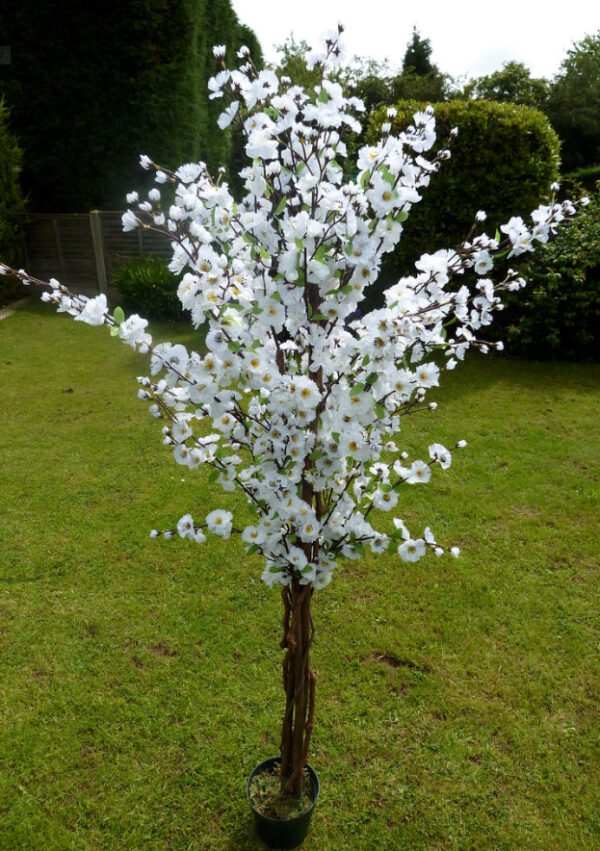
x=59 y=251
x=96 y=228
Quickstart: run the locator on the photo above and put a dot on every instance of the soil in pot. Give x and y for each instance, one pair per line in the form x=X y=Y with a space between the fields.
x=266 y=798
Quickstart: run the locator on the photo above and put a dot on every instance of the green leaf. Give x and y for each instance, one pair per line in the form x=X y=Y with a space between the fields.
x=320 y=316
x=280 y=207
x=118 y=315
x=372 y=378
x=214 y=475
x=264 y=253
x=387 y=175
x=380 y=411
x=323 y=95
x=357 y=389
x=320 y=254
x=114 y=331
x=401 y=216
x=299 y=243
x=247 y=237
x=364 y=179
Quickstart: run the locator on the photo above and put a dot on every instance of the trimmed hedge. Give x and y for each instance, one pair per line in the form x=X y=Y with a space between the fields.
x=558 y=314
x=93 y=86
x=503 y=161
x=11 y=208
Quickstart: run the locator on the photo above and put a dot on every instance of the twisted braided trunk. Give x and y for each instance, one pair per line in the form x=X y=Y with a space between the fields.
x=299 y=686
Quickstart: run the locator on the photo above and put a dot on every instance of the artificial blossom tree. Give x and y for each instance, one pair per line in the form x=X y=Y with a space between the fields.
x=299 y=397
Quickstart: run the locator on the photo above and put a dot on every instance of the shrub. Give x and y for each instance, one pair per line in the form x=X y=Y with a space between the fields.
x=505 y=157
x=11 y=207
x=558 y=314
x=148 y=286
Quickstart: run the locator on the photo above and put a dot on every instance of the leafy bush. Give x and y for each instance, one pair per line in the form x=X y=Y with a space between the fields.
x=558 y=314
x=11 y=207
x=505 y=158
x=148 y=286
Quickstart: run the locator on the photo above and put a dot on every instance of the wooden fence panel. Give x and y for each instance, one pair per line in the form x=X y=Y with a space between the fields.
x=82 y=250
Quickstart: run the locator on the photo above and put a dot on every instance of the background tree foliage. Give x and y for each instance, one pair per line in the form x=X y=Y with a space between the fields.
x=11 y=199
x=91 y=86
x=512 y=84
x=374 y=82
x=574 y=104
x=417 y=57
x=11 y=207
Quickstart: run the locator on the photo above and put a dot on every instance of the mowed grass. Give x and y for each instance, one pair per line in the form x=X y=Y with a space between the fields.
x=457 y=700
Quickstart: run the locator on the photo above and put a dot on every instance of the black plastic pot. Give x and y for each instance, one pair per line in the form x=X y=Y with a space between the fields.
x=282 y=833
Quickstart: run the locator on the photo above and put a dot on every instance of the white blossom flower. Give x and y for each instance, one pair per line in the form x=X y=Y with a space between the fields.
x=129 y=221
x=185 y=526
x=94 y=312
x=228 y=114
x=439 y=453
x=385 y=500
x=219 y=522
x=418 y=473
x=411 y=550
x=133 y=331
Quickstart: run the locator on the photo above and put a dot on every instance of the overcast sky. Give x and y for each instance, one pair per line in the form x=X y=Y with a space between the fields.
x=468 y=37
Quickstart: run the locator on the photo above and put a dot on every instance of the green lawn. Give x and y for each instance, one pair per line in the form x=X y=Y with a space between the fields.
x=457 y=700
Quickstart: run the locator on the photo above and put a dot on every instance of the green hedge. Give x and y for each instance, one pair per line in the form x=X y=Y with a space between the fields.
x=11 y=207
x=93 y=86
x=503 y=161
x=558 y=314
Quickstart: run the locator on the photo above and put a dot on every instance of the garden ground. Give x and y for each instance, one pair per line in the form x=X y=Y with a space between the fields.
x=457 y=700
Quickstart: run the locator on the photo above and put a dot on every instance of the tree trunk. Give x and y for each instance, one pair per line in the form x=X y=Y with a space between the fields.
x=299 y=686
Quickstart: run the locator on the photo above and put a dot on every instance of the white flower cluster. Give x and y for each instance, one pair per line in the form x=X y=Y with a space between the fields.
x=299 y=396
